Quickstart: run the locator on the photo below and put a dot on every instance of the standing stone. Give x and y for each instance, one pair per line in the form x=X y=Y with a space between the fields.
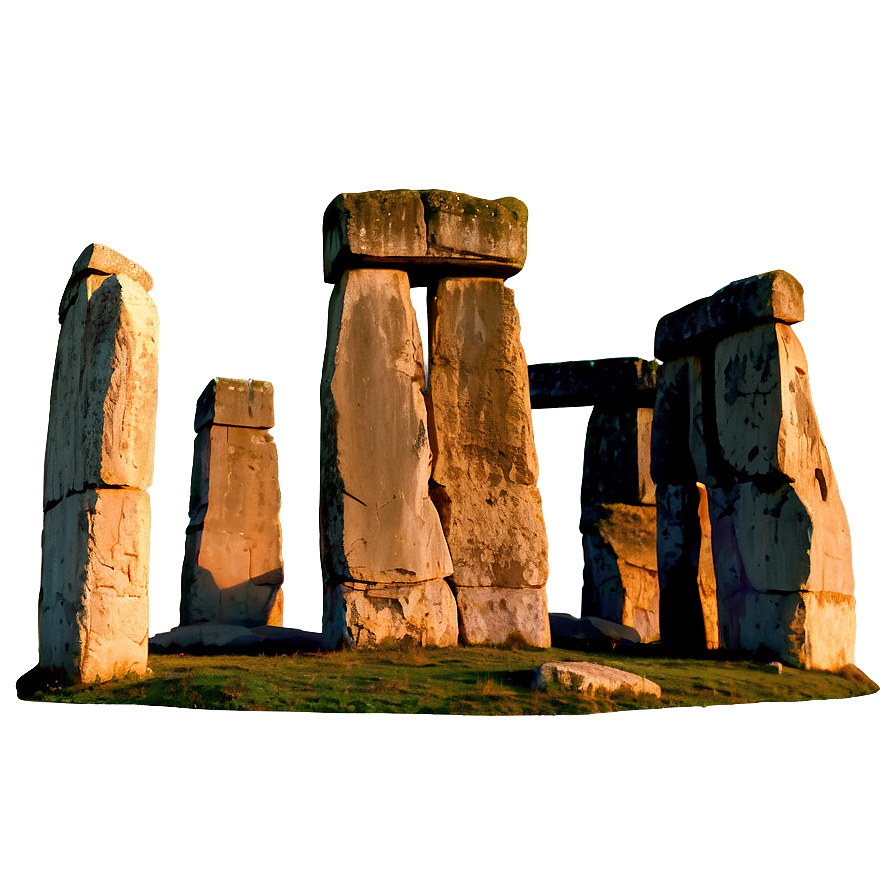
x=233 y=563
x=93 y=606
x=378 y=524
x=485 y=471
x=688 y=616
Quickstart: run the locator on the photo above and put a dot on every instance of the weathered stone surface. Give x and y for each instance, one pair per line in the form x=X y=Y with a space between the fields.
x=94 y=265
x=228 y=402
x=592 y=677
x=805 y=629
x=616 y=468
x=489 y=615
x=357 y=614
x=362 y=229
x=590 y=630
x=233 y=563
x=423 y=233
x=105 y=385
x=93 y=610
x=485 y=468
x=606 y=383
x=772 y=296
x=465 y=229
x=378 y=524
x=620 y=576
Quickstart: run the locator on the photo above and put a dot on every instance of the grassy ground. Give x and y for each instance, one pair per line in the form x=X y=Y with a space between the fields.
x=471 y=680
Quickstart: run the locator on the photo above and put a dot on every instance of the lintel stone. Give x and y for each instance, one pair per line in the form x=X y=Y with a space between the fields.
x=427 y=233
x=605 y=383
x=228 y=402
x=774 y=296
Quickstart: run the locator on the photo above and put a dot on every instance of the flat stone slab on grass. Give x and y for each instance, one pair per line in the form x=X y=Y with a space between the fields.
x=591 y=677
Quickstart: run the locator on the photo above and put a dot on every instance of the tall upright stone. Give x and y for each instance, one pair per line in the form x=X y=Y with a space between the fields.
x=747 y=429
x=383 y=554
x=93 y=606
x=385 y=558
x=233 y=562
x=485 y=475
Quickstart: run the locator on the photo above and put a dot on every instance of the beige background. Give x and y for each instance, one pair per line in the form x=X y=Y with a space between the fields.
x=663 y=150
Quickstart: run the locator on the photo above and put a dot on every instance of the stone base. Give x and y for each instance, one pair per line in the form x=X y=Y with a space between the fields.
x=620 y=575
x=93 y=612
x=809 y=630
x=358 y=614
x=493 y=615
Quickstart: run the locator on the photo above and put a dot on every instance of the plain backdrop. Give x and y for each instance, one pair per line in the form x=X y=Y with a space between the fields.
x=663 y=150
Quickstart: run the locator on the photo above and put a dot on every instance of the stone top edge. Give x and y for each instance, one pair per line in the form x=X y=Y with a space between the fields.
x=233 y=402
x=772 y=296
x=416 y=229
x=70 y=295
x=97 y=258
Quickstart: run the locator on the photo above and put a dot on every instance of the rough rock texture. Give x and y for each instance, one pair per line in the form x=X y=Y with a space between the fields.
x=93 y=609
x=227 y=402
x=485 y=469
x=591 y=677
x=616 y=468
x=773 y=296
x=489 y=615
x=423 y=233
x=620 y=576
x=233 y=563
x=357 y=614
x=378 y=524
x=105 y=387
x=605 y=382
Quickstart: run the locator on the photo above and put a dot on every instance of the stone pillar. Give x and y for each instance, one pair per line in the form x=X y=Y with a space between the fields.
x=233 y=562
x=93 y=606
x=780 y=538
x=485 y=475
x=385 y=559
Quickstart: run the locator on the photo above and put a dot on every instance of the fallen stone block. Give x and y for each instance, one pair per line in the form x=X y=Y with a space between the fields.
x=360 y=614
x=93 y=610
x=591 y=630
x=378 y=523
x=605 y=383
x=490 y=615
x=590 y=678
x=485 y=468
x=620 y=574
x=425 y=233
x=775 y=296
x=212 y=637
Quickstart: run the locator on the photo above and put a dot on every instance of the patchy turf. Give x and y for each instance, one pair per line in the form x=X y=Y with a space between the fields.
x=467 y=680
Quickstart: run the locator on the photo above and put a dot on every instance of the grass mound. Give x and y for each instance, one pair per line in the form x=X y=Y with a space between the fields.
x=457 y=680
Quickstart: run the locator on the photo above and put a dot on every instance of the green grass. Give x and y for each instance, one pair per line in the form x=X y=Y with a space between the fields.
x=471 y=680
